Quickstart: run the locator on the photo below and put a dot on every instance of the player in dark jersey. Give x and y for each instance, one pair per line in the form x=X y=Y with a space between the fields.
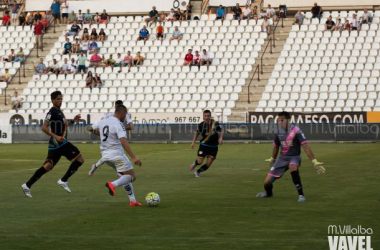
x=58 y=145
x=290 y=139
x=212 y=137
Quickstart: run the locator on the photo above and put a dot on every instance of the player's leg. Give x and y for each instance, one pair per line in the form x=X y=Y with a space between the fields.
x=294 y=171
x=277 y=170
x=211 y=153
x=96 y=166
x=73 y=154
x=201 y=154
x=268 y=186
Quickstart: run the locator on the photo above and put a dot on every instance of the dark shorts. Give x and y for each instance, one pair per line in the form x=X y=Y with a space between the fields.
x=65 y=14
x=57 y=16
x=68 y=150
x=204 y=151
x=219 y=17
x=82 y=68
x=282 y=165
x=160 y=35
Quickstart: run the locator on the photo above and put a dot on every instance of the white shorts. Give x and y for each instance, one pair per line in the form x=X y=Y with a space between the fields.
x=120 y=163
x=14 y=15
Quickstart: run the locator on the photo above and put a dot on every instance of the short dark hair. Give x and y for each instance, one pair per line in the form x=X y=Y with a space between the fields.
x=121 y=108
x=118 y=102
x=55 y=94
x=207 y=111
x=285 y=114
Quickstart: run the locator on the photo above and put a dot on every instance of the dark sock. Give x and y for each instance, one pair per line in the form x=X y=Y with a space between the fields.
x=72 y=169
x=297 y=181
x=202 y=169
x=196 y=163
x=37 y=175
x=268 y=189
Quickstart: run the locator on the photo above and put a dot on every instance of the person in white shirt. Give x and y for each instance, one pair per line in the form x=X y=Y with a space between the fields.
x=205 y=59
x=65 y=68
x=366 y=17
x=65 y=11
x=119 y=62
x=271 y=13
x=73 y=66
x=355 y=22
x=16 y=101
x=265 y=26
x=247 y=13
x=113 y=143
x=171 y=15
x=339 y=25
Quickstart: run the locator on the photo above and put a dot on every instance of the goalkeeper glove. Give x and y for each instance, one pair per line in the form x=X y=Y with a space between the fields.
x=271 y=161
x=318 y=166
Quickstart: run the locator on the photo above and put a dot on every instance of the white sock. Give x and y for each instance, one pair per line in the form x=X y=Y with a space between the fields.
x=99 y=163
x=123 y=180
x=131 y=194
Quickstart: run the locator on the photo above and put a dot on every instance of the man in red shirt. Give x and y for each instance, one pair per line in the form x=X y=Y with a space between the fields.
x=6 y=19
x=95 y=59
x=188 y=58
x=39 y=32
x=160 y=32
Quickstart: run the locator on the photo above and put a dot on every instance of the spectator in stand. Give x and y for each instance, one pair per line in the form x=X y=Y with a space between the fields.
x=76 y=47
x=138 y=61
x=30 y=20
x=93 y=47
x=188 y=58
x=84 y=46
x=102 y=35
x=171 y=15
x=162 y=17
x=88 y=18
x=14 y=10
x=153 y=16
x=95 y=60
x=82 y=63
x=10 y=57
x=178 y=15
x=366 y=17
x=45 y=23
x=265 y=26
x=98 y=81
x=103 y=62
x=54 y=67
x=104 y=18
x=299 y=18
x=144 y=34
x=316 y=11
x=65 y=11
x=282 y=12
x=48 y=15
x=73 y=66
x=20 y=56
x=128 y=61
x=6 y=19
x=110 y=62
x=119 y=62
x=89 y=80
x=347 y=25
x=85 y=34
x=41 y=67
x=247 y=13
x=16 y=101
x=6 y=77
x=237 y=12
x=96 y=18
x=67 y=47
x=74 y=30
x=330 y=24
x=37 y=16
x=255 y=13
x=21 y=20
x=176 y=34
x=263 y=14
x=196 y=59
x=187 y=14
x=72 y=17
x=271 y=13
x=205 y=59
x=220 y=13
x=339 y=25
x=355 y=22
x=56 y=8
x=160 y=32
x=38 y=33
x=94 y=35
x=65 y=68
x=80 y=18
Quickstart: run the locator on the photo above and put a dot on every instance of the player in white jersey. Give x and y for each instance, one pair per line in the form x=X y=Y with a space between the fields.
x=113 y=143
x=128 y=124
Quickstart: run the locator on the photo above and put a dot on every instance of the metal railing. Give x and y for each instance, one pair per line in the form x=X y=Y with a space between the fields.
x=274 y=30
x=204 y=6
x=265 y=50
x=257 y=69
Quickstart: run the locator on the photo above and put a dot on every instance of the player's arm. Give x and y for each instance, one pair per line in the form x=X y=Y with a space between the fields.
x=46 y=130
x=221 y=133
x=129 y=123
x=130 y=126
x=72 y=121
x=94 y=131
x=317 y=165
x=276 y=149
x=196 y=134
x=128 y=149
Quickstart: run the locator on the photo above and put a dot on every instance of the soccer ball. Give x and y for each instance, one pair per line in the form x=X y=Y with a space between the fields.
x=152 y=199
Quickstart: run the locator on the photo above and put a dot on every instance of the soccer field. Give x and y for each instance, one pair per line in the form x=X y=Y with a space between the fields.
x=216 y=211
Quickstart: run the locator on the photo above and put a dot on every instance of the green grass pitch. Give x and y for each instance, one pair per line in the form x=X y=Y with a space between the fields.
x=216 y=211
